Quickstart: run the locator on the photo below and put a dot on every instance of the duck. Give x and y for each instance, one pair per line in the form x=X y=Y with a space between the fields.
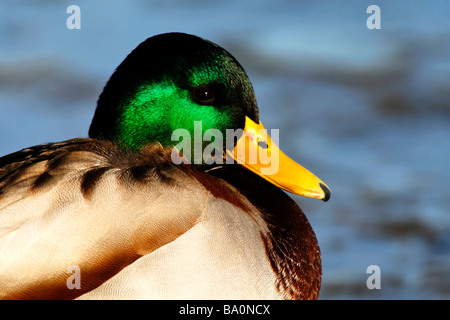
x=134 y=212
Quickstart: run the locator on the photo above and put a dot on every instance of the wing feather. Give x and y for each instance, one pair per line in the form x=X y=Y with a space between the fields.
x=85 y=203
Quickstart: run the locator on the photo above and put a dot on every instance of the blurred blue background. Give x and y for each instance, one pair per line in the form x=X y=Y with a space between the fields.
x=368 y=111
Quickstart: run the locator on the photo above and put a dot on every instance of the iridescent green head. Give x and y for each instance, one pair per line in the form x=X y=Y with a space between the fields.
x=168 y=82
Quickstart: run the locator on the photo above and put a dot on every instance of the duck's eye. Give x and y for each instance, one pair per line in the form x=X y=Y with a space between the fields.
x=203 y=95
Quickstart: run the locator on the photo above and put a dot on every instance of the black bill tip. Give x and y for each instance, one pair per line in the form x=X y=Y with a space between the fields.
x=327 y=192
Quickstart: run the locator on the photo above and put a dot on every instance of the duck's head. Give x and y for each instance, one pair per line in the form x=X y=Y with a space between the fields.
x=178 y=81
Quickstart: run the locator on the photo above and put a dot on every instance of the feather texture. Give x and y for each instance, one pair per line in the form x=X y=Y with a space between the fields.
x=130 y=221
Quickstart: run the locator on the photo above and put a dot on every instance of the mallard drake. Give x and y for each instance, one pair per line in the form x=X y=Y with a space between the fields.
x=135 y=218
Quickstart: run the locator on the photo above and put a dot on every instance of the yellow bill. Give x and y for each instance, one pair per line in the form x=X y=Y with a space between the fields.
x=256 y=151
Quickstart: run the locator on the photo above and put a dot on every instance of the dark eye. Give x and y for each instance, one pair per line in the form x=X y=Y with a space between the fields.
x=203 y=95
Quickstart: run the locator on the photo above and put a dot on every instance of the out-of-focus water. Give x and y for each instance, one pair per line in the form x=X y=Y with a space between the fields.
x=368 y=111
